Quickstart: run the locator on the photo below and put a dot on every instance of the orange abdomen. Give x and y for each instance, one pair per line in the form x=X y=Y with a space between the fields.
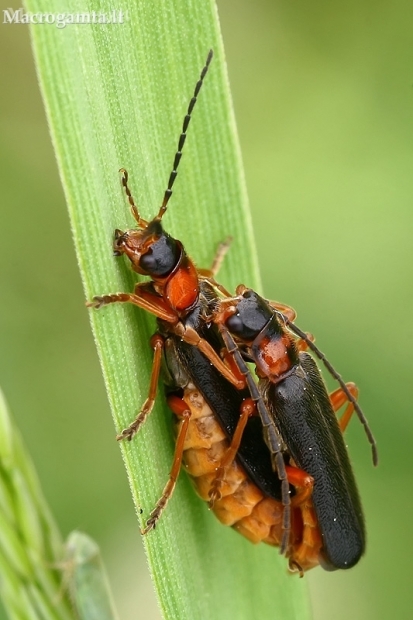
x=242 y=504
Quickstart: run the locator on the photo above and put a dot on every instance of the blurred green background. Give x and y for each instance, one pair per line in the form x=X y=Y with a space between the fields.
x=323 y=95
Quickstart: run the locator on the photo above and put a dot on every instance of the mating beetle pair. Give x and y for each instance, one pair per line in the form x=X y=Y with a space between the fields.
x=268 y=457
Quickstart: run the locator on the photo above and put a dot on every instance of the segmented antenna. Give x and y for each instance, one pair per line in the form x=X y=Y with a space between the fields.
x=340 y=381
x=134 y=209
x=182 y=137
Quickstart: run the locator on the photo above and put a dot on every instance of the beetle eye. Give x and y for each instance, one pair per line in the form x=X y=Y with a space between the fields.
x=148 y=261
x=235 y=324
x=241 y=328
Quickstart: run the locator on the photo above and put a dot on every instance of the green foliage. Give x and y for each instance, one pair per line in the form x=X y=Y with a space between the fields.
x=42 y=579
x=30 y=546
x=115 y=96
x=85 y=579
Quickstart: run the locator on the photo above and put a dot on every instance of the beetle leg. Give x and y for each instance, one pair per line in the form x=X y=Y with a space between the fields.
x=306 y=554
x=209 y=274
x=303 y=482
x=189 y=335
x=272 y=436
x=338 y=398
x=305 y=549
x=289 y=312
x=141 y=298
x=302 y=344
x=157 y=343
x=296 y=330
x=220 y=254
x=229 y=360
x=247 y=410
x=180 y=408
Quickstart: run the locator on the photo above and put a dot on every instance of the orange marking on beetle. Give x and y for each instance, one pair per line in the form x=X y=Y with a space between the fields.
x=273 y=358
x=242 y=505
x=182 y=289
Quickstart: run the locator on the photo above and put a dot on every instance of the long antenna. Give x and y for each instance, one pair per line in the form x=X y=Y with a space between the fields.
x=182 y=137
x=340 y=381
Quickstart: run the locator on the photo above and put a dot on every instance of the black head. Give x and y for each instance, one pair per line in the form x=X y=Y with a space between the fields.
x=151 y=250
x=251 y=316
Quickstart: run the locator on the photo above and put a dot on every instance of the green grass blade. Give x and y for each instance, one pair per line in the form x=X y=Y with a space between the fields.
x=86 y=580
x=115 y=96
x=37 y=572
x=30 y=546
